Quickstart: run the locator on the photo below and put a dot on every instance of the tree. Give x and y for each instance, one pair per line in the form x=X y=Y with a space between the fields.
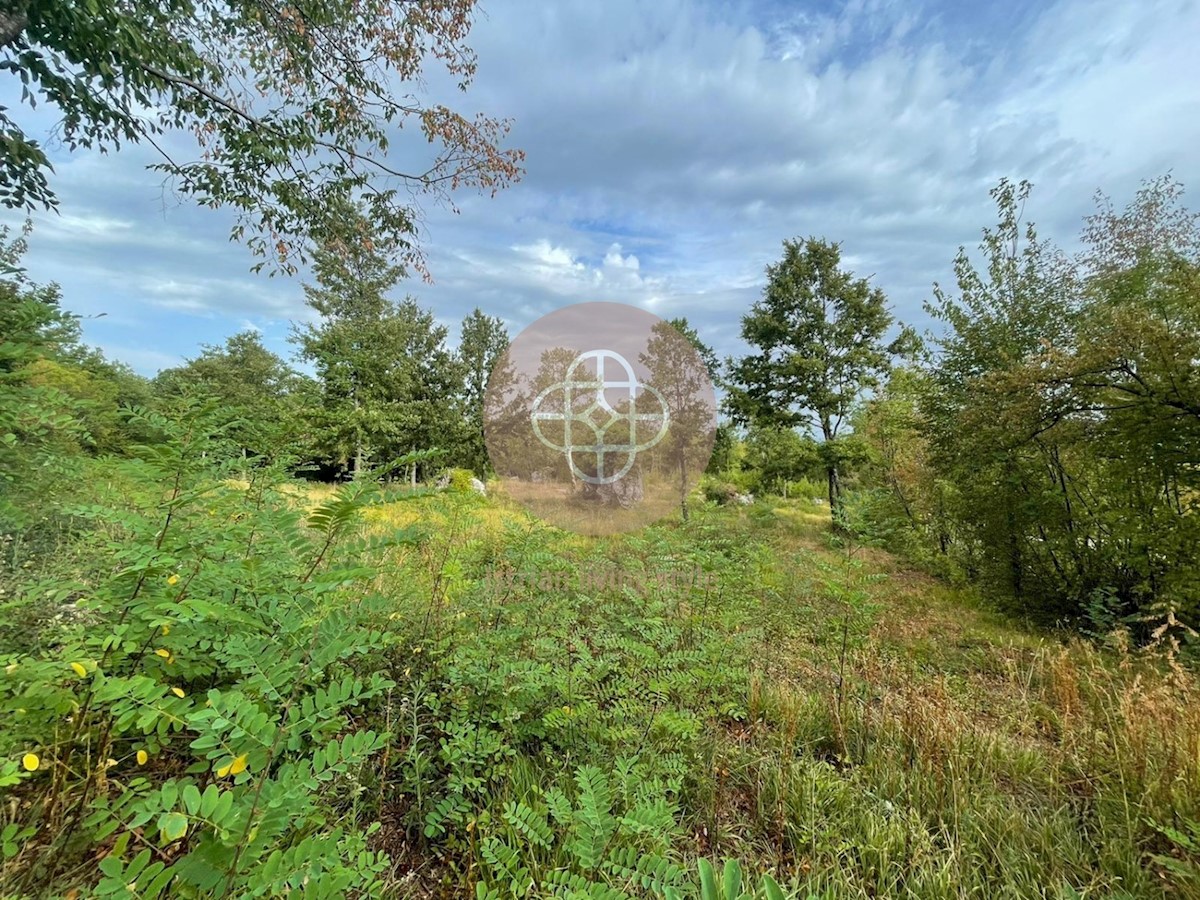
x=777 y=455
x=819 y=335
x=911 y=499
x=292 y=106
x=36 y=420
x=991 y=423
x=706 y=353
x=256 y=389
x=680 y=368
x=57 y=395
x=387 y=383
x=482 y=343
x=1062 y=407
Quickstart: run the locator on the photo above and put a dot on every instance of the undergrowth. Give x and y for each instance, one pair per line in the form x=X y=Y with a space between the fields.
x=218 y=683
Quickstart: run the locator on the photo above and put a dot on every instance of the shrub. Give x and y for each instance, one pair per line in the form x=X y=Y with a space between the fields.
x=196 y=722
x=720 y=492
x=459 y=481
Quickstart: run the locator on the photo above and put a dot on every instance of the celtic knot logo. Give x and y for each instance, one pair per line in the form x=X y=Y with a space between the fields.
x=580 y=400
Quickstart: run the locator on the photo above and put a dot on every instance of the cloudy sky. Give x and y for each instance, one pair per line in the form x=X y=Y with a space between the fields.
x=672 y=146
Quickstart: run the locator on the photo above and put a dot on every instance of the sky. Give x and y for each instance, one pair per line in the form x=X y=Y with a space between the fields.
x=672 y=146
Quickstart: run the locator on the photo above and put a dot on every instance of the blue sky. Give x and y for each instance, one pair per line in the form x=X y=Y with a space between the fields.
x=672 y=146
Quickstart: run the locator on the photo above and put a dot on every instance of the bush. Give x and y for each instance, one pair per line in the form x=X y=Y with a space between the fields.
x=459 y=481
x=196 y=720
x=720 y=492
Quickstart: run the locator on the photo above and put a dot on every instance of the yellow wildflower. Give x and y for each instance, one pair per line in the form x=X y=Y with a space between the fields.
x=79 y=669
x=238 y=766
x=163 y=652
x=30 y=761
x=178 y=692
x=224 y=770
x=173 y=580
x=166 y=629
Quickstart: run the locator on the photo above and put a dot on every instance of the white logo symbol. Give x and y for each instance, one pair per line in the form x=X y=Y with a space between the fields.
x=583 y=386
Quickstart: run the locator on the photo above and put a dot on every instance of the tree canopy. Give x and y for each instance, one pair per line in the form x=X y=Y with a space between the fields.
x=282 y=112
x=818 y=332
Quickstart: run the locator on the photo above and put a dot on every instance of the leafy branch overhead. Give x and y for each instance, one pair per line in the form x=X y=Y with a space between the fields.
x=282 y=112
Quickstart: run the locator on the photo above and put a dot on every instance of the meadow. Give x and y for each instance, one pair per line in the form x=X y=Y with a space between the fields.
x=233 y=684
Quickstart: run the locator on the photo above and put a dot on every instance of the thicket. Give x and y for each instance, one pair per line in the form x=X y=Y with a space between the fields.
x=1049 y=445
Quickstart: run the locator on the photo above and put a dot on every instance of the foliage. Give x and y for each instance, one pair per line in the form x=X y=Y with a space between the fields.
x=386 y=383
x=56 y=395
x=292 y=108
x=212 y=683
x=776 y=456
x=720 y=492
x=258 y=393
x=219 y=680
x=818 y=336
x=482 y=342
x=1048 y=448
x=679 y=366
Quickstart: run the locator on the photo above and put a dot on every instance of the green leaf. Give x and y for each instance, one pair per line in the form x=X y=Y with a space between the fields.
x=732 y=879
x=772 y=888
x=708 y=880
x=173 y=826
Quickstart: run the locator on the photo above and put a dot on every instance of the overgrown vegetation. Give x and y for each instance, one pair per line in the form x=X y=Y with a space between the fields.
x=1048 y=447
x=222 y=680
x=232 y=687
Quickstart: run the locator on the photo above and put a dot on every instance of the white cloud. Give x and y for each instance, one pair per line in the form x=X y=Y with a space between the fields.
x=614 y=259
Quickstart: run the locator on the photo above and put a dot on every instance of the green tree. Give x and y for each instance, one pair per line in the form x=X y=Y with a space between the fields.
x=483 y=340
x=37 y=420
x=819 y=336
x=991 y=423
x=777 y=455
x=291 y=107
x=706 y=353
x=387 y=383
x=1063 y=411
x=41 y=351
x=1134 y=381
x=911 y=505
x=257 y=391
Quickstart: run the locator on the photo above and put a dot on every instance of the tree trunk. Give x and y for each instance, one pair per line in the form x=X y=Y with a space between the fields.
x=832 y=476
x=835 y=496
x=683 y=488
x=359 y=453
x=1015 y=563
